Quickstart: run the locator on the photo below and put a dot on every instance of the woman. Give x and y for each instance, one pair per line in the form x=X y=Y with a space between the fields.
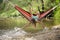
x=35 y=19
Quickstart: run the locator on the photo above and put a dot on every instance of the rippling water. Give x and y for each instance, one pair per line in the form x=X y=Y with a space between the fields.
x=15 y=34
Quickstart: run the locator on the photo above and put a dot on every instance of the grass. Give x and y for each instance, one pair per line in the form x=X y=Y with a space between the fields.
x=10 y=23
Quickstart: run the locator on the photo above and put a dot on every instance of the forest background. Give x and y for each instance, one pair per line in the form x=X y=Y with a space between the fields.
x=10 y=17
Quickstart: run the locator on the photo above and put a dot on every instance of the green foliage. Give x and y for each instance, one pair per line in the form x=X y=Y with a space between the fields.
x=57 y=15
x=5 y=23
x=9 y=10
x=10 y=23
x=1 y=1
x=6 y=10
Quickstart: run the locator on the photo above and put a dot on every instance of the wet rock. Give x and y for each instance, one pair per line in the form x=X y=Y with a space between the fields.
x=50 y=35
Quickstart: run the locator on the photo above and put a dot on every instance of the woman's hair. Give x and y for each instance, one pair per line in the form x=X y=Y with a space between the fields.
x=34 y=14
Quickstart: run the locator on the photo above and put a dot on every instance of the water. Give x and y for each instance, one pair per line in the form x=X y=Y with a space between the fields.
x=14 y=34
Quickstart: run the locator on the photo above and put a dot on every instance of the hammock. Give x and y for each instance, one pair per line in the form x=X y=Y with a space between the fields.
x=27 y=15
x=47 y=12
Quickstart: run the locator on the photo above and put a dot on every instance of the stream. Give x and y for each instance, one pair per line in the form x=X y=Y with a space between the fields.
x=20 y=34
x=15 y=34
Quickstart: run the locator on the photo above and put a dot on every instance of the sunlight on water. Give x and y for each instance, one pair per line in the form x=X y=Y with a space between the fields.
x=15 y=34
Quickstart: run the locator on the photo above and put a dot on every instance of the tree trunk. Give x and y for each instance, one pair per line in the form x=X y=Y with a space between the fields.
x=42 y=6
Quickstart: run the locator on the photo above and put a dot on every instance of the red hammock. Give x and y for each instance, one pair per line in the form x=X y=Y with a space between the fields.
x=27 y=15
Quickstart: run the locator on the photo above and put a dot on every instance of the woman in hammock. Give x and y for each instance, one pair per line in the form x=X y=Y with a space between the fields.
x=35 y=18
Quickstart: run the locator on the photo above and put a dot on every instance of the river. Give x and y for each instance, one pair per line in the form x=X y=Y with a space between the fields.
x=15 y=34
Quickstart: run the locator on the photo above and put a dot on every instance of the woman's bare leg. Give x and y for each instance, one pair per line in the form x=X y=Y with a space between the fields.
x=26 y=25
x=34 y=25
x=40 y=22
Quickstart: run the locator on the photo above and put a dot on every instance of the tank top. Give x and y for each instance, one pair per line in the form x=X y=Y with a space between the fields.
x=35 y=17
